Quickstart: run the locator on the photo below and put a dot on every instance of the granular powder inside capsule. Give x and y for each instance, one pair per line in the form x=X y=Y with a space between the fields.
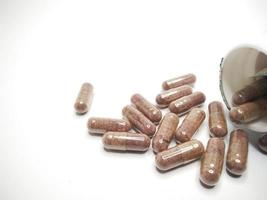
x=84 y=99
x=251 y=92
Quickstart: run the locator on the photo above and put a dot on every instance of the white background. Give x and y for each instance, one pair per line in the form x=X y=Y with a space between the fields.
x=49 y=48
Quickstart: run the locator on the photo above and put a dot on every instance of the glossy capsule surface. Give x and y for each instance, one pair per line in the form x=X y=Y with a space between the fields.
x=165 y=132
x=262 y=142
x=126 y=141
x=84 y=99
x=139 y=120
x=102 y=125
x=185 y=104
x=217 y=121
x=147 y=108
x=237 y=153
x=190 y=125
x=179 y=155
x=166 y=97
x=248 y=112
x=179 y=81
x=250 y=92
x=212 y=162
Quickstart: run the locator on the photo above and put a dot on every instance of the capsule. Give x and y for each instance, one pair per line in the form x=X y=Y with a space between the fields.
x=262 y=143
x=237 y=154
x=179 y=155
x=166 y=97
x=250 y=92
x=148 y=109
x=102 y=125
x=138 y=120
x=165 y=132
x=84 y=99
x=249 y=111
x=185 y=104
x=190 y=125
x=212 y=162
x=179 y=81
x=126 y=141
x=217 y=121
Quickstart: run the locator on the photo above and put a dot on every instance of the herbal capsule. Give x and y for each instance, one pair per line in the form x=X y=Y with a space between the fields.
x=84 y=98
x=251 y=92
x=262 y=143
x=249 y=111
x=166 y=97
x=237 y=154
x=125 y=141
x=165 y=132
x=103 y=125
x=186 y=103
x=148 y=109
x=179 y=81
x=212 y=162
x=217 y=121
x=190 y=125
x=179 y=155
x=138 y=120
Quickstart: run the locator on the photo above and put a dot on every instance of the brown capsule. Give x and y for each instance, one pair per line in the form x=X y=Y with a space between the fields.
x=250 y=92
x=212 y=162
x=190 y=125
x=148 y=109
x=103 y=125
x=249 y=111
x=237 y=154
x=179 y=155
x=84 y=99
x=166 y=97
x=138 y=120
x=179 y=81
x=126 y=141
x=262 y=143
x=165 y=132
x=217 y=121
x=185 y=104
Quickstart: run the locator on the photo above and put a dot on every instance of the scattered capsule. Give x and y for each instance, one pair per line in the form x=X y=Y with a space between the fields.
x=237 y=154
x=186 y=103
x=249 y=111
x=179 y=81
x=262 y=143
x=166 y=97
x=165 y=132
x=126 y=141
x=250 y=92
x=102 y=125
x=84 y=99
x=212 y=162
x=179 y=155
x=148 y=109
x=138 y=120
x=217 y=121
x=190 y=125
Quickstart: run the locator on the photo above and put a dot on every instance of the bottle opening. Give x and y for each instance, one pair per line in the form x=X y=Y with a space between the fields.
x=242 y=66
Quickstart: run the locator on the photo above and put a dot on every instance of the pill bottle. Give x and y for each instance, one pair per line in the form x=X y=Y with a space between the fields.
x=240 y=67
